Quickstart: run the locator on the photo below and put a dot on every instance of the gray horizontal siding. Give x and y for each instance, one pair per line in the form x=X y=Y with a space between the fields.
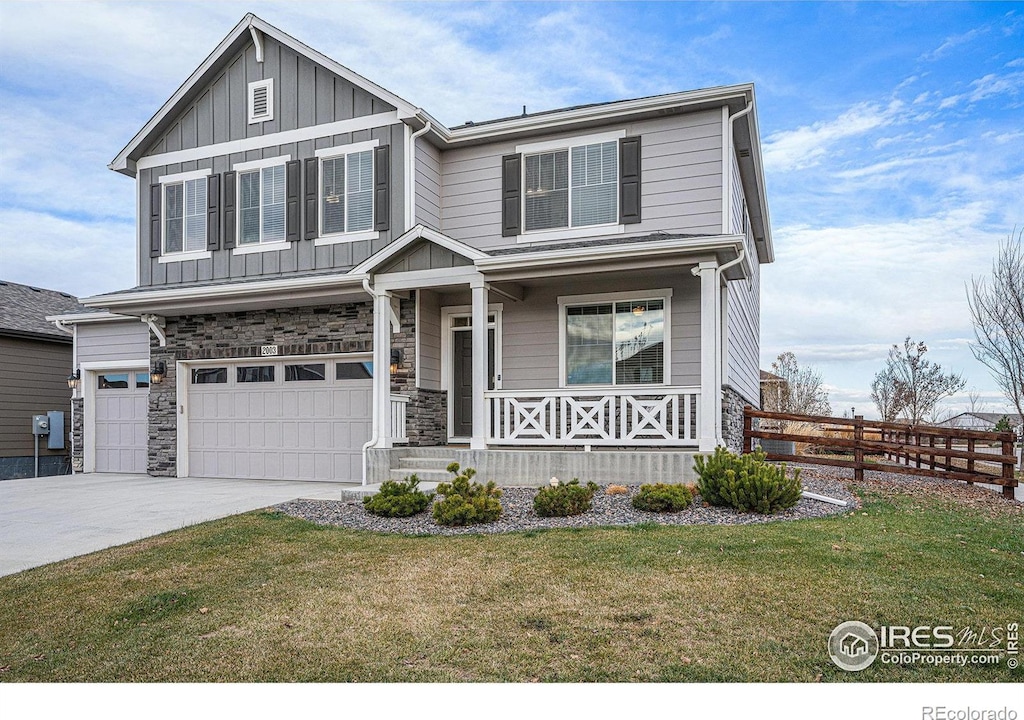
x=428 y=184
x=744 y=333
x=429 y=371
x=113 y=342
x=681 y=187
x=530 y=330
x=305 y=94
x=33 y=380
x=299 y=256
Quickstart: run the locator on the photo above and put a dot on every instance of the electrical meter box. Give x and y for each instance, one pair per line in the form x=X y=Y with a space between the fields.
x=56 y=439
x=40 y=425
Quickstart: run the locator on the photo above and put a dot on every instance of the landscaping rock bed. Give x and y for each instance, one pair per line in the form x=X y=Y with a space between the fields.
x=518 y=514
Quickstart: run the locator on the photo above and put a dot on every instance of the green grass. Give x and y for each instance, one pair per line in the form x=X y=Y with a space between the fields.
x=264 y=597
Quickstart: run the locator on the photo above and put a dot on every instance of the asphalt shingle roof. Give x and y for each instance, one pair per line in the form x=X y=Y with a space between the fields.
x=23 y=310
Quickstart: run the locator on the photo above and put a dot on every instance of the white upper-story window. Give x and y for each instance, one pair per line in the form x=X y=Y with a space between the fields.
x=261 y=201
x=184 y=212
x=346 y=189
x=574 y=187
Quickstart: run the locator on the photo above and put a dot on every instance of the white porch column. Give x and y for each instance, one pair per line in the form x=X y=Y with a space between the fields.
x=382 y=368
x=479 y=440
x=709 y=430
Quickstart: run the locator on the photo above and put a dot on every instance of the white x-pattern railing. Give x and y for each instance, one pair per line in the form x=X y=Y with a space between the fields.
x=620 y=416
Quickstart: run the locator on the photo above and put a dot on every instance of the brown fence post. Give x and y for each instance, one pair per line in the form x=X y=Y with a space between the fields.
x=1008 y=470
x=931 y=458
x=858 y=451
x=748 y=442
x=949 y=458
x=970 y=461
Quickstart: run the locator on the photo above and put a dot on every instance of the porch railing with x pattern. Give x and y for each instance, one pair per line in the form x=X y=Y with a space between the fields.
x=629 y=417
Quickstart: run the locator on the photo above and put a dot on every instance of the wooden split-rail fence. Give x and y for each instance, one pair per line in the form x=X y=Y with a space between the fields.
x=923 y=450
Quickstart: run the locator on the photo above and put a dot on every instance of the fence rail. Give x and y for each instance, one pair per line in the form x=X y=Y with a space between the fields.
x=921 y=450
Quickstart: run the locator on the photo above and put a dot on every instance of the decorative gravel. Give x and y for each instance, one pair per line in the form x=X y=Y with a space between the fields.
x=517 y=512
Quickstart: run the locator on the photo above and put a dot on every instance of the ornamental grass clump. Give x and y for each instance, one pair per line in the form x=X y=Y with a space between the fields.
x=662 y=498
x=566 y=499
x=398 y=499
x=466 y=502
x=746 y=482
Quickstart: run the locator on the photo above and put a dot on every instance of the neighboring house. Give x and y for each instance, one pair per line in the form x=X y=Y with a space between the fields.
x=330 y=275
x=773 y=388
x=984 y=421
x=35 y=359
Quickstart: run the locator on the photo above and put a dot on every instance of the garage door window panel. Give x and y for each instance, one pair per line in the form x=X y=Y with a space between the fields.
x=353 y=371
x=207 y=376
x=305 y=373
x=255 y=374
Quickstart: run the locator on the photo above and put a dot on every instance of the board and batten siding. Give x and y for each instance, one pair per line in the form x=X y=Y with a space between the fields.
x=33 y=380
x=305 y=95
x=428 y=184
x=113 y=342
x=530 y=330
x=681 y=185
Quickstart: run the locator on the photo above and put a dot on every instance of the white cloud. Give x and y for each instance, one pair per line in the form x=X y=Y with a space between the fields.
x=807 y=145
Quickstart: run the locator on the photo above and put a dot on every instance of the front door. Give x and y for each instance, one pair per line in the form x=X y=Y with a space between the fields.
x=462 y=378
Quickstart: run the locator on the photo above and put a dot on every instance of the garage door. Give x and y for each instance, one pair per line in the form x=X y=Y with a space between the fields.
x=280 y=420
x=122 y=409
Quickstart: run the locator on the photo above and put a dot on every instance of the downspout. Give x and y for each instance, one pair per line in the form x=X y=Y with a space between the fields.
x=374 y=432
x=723 y=327
x=727 y=185
x=410 y=172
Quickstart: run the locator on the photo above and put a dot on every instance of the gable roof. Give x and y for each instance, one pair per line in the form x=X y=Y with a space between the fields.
x=410 y=237
x=240 y=36
x=23 y=311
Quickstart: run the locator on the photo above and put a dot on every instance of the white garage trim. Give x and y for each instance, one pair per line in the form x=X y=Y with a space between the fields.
x=183 y=374
x=90 y=372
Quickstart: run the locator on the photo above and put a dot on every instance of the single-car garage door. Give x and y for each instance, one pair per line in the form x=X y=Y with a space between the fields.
x=122 y=410
x=289 y=419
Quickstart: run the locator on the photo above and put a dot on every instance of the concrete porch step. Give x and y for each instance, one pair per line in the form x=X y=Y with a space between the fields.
x=424 y=461
x=361 y=491
x=425 y=475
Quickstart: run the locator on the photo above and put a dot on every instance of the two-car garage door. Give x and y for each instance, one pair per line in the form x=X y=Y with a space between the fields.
x=291 y=419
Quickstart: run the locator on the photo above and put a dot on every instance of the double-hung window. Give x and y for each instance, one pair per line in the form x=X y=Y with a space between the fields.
x=574 y=187
x=346 y=189
x=347 y=193
x=184 y=212
x=617 y=340
x=261 y=205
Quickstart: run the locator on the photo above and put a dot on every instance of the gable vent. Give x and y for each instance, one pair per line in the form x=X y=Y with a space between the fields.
x=261 y=101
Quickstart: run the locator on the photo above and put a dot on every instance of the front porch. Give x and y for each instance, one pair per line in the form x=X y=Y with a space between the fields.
x=533 y=466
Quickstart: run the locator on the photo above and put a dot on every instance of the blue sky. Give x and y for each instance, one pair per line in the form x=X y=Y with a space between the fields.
x=892 y=134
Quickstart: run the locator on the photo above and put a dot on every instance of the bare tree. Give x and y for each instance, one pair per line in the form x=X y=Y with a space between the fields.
x=887 y=395
x=997 y=311
x=918 y=384
x=974 y=403
x=801 y=393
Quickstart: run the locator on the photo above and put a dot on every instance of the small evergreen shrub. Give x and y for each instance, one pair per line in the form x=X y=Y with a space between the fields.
x=466 y=502
x=663 y=498
x=563 y=500
x=398 y=499
x=746 y=482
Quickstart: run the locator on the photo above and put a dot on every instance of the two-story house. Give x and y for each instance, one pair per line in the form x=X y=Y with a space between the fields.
x=334 y=285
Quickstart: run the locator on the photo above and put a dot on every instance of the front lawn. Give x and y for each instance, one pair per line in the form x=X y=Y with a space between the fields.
x=265 y=597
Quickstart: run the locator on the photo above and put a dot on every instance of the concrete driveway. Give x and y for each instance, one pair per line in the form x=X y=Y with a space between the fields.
x=46 y=519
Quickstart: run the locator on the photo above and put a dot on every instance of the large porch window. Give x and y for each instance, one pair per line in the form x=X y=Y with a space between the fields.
x=618 y=340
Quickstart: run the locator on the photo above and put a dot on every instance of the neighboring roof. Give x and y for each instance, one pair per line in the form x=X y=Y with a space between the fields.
x=771 y=377
x=23 y=311
x=985 y=417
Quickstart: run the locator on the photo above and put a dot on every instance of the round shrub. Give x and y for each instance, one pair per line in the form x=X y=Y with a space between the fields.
x=663 y=498
x=466 y=502
x=746 y=482
x=564 y=500
x=398 y=499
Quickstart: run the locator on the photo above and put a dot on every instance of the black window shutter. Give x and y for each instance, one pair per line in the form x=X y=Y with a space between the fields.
x=292 y=193
x=381 y=187
x=155 y=198
x=629 y=180
x=228 y=209
x=511 y=191
x=213 y=212
x=312 y=191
